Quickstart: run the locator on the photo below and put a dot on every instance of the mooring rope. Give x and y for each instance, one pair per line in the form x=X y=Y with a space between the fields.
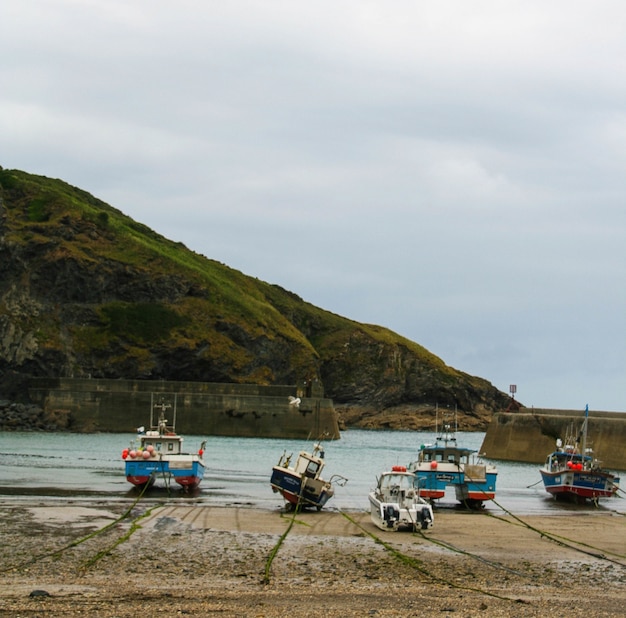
x=458 y=550
x=559 y=540
x=133 y=528
x=91 y=535
x=419 y=566
x=283 y=536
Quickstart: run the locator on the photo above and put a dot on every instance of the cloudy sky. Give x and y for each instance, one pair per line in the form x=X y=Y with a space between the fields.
x=452 y=170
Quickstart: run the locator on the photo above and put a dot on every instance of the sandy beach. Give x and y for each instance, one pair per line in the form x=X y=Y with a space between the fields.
x=81 y=559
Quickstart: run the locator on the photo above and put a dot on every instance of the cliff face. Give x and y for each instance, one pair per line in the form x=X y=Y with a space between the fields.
x=86 y=291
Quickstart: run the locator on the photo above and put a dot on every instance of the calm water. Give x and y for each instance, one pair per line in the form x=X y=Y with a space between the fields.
x=86 y=466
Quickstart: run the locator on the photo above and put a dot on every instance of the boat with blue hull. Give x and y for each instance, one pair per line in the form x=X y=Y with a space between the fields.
x=301 y=485
x=157 y=454
x=445 y=464
x=572 y=471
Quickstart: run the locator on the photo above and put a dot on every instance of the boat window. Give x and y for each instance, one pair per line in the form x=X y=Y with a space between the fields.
x=450 y=458
x=170 y=446
x=157 y=446
x=403 y=481
x=439 y=456
x=426 y=456
x=311 y=469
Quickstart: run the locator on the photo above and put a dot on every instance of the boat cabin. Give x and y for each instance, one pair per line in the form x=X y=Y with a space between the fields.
x=308 y=465
x=400 y=481
x=161 y=443
x=454 y=455
x=568 y=460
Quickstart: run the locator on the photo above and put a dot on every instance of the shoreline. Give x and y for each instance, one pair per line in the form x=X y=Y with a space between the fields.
x=205 y=560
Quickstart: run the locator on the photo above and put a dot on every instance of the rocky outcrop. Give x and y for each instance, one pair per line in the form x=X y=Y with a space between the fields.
x=395 y=384
x=29 y=417
x=407 y=418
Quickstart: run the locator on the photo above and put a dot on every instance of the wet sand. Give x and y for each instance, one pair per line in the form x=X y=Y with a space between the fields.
x=203 y=561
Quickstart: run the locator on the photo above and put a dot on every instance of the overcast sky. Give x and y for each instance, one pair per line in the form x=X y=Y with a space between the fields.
x=452 y=170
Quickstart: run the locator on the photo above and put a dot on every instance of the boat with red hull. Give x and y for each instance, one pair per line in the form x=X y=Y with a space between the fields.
x=301 y=484
x=157 y=454
x=446 y=464
x=572 y=472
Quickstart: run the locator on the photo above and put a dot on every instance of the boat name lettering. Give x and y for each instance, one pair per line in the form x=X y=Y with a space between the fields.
x=446 y=477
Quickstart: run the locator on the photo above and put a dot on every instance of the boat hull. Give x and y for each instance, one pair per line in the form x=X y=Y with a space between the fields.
x=393 y=516
x=580 y=484
x=433 y=482
x=300 y=490
x=185 y=470
x=140 y=480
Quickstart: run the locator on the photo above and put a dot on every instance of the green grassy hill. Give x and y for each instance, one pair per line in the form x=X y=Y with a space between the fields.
x=87 y=291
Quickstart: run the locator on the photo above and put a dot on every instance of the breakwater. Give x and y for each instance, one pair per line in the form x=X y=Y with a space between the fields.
x=202 y=408
x=529 y=434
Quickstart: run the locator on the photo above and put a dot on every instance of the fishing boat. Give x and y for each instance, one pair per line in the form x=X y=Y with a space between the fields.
x=395 y=502
x=301 y=485
x=157 y=453
x=445 y=464
x=572 y=471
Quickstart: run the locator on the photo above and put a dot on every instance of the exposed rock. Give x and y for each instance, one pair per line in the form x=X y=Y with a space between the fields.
x=28 y=417
x=405 y=417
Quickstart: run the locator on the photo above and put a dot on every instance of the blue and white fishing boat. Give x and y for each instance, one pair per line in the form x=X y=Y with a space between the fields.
x=572 y=471
x=445 y=464
x=395 y=502
x=157 y=454
x=301 y=485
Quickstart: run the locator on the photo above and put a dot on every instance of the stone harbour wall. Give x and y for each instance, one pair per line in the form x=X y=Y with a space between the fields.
x=530 y=434
x=247 y=410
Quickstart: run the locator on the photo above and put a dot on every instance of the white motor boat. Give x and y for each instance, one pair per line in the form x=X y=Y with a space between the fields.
x=395 y=502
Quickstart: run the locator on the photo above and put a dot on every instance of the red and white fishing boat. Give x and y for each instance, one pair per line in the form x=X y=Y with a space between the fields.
x=572 y=471
x=157 y=454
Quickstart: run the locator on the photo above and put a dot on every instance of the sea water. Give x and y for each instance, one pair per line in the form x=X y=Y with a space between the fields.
x=68 y=466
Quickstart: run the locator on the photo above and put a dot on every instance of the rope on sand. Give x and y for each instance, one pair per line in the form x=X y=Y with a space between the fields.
x=458 y=550
x=133 y=528
x=56 y=553
x=419 y=566
x=560 y=540
x=283 y=536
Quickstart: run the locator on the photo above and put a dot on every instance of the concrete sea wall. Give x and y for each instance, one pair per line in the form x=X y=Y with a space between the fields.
x=529 y=434
x=202 y=408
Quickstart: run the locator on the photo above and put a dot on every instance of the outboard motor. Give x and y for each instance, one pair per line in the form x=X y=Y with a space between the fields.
x=425 y=518
x=391 y=515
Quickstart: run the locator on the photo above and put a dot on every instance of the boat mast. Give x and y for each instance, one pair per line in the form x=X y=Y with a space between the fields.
x=584 y=433
x=446 y=434
x=161 y=423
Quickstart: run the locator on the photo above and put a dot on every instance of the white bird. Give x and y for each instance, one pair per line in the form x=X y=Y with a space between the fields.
x=294 y=401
